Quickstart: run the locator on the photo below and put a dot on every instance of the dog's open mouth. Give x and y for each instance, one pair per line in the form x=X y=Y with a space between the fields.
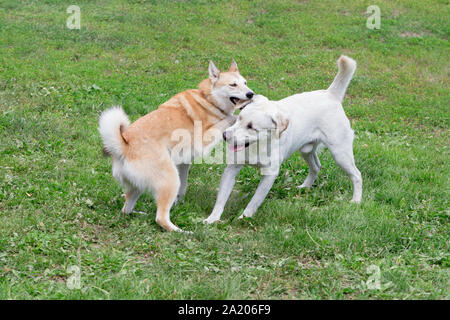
x=239 y=103
x=236 y=148
x=234 y=100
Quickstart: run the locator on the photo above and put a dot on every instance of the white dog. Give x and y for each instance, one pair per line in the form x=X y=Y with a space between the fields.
x=299 y=122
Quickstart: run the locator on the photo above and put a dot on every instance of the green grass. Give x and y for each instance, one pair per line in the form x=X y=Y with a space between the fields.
x=60 y=206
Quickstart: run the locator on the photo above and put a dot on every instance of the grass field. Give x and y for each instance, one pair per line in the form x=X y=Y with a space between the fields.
x=60 y=206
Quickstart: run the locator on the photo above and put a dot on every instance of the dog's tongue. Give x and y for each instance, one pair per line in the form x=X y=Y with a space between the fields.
x=235 y=148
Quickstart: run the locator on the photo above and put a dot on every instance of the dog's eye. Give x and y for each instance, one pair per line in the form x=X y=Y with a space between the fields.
x=245 y=82
x=233 y=85
x=249 y=125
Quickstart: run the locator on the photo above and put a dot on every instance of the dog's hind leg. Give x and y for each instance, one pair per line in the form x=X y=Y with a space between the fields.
x=316 y=159
x=183 y=171
x=157 y=173
x=131 y=196
x=343 y=155
x=166 y=188
x=308 y=153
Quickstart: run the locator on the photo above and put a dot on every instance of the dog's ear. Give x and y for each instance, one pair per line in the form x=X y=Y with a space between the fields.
x=213 y=72
x=281 y=124
x=233 y=67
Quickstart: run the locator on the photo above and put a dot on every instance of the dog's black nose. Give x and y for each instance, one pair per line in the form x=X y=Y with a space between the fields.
x=224 y=135
x=250 y=95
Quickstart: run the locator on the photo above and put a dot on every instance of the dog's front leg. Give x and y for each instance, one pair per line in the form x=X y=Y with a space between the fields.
x=261 y=192
x=226 y=186
x=213 y=135
x=227 y=122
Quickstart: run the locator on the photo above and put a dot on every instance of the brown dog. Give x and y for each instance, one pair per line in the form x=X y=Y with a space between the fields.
x=143 y=152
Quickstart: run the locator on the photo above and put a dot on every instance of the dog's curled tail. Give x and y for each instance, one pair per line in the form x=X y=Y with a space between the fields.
x=112 y=123
x=347 y=67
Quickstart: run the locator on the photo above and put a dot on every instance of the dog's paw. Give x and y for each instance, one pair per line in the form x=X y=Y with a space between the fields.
x=231 y=119
x=176 y=202
x=124 y=211
x=247 y=213
x=242 y=216
x=210 y=220
x=179 y=200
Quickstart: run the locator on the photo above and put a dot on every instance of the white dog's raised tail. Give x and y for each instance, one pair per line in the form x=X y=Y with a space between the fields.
x=112 y=123
x=347 y=67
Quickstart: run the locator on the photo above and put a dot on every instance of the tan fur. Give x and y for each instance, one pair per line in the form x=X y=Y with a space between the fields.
x=181 y=111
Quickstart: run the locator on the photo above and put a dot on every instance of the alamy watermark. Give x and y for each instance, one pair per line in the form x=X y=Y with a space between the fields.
x=374 y=20
x=74 y=20
x=74 y=281
x=374 y=280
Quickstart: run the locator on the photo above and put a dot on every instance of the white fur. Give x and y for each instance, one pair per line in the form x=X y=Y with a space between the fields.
x=346 y=68
x=314 y=118
x=109 y=128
